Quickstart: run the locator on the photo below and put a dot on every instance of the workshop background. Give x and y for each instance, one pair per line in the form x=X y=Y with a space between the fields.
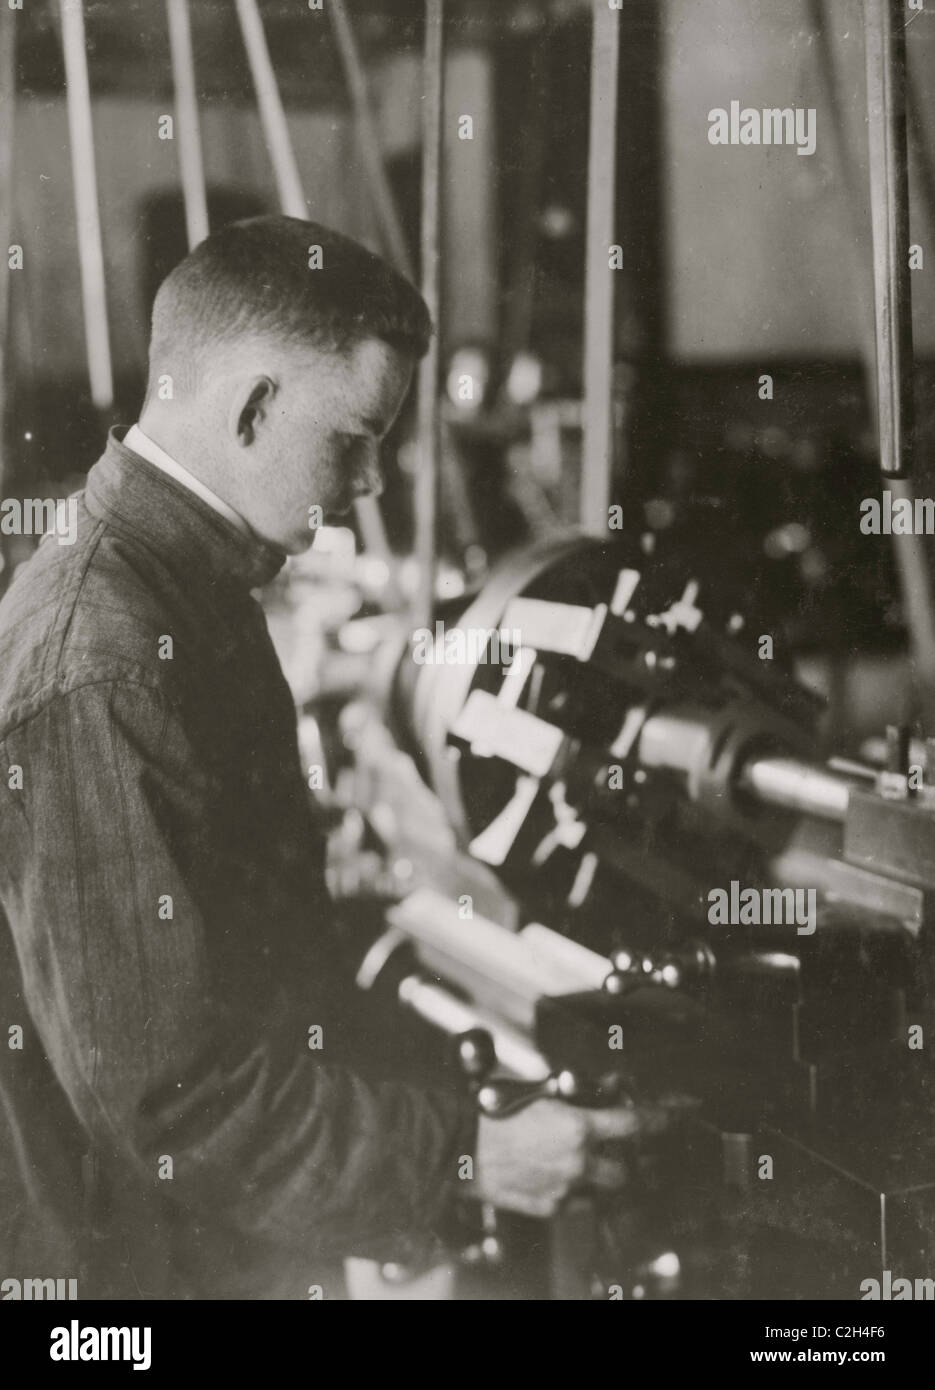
x=735 y=262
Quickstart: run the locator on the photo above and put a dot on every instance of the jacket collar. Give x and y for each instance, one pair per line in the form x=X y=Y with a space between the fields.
x=126 y=489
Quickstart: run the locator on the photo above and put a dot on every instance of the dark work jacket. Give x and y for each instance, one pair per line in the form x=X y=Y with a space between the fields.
x=165 y=1128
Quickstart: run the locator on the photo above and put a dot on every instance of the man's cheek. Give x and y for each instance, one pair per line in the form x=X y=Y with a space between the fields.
x=332 y=480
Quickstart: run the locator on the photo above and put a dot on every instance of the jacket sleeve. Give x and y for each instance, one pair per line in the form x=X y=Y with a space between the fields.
x=282 y=1141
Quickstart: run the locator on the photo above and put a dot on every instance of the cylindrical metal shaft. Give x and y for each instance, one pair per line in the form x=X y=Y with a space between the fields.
x=438 y=1006
x=889 y=205
x=191 y=164
x=87 y=212
x=598 y=453
x=797 y=786
x=681 y=741
x=7 y=108
x=885 y=42
x=425 y=500
x=378 y=184
x=272 y=112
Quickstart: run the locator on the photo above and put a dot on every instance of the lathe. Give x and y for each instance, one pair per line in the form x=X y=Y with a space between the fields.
x=692 y=901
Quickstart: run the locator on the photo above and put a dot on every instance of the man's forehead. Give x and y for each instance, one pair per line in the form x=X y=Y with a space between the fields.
x=378 y=360
x=365 y=383
x=370 y=359
x=376 y=376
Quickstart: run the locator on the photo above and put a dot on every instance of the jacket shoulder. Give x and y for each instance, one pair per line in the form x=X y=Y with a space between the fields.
x=96 y=610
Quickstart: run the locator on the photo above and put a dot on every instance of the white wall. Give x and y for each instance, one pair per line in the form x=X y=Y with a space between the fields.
x=133 y=162
x=764 y=256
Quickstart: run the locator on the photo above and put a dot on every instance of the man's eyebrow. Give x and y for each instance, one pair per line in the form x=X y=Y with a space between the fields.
x=374 y=426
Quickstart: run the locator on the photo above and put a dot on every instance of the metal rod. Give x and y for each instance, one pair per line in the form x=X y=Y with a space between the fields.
x=798 y=786
x=384 y=204
x=854 y=197
x=425 y=499
x=889 y=206
x=597 y=455
x=916 y=587
x=87 y=212
x=292 y=201
x=519 y=306
x=7 y=117
x=680 y=740
x=272 y=112
x=911 y=563
x=191 y=165
x=438 y=1006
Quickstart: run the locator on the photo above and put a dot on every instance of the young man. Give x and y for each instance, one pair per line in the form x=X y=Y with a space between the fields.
x=166 y=1129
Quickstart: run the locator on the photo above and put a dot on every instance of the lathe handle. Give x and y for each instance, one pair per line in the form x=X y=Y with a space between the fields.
x=499 y=1099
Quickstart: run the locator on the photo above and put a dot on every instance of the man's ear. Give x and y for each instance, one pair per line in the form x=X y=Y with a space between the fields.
x=249 y=408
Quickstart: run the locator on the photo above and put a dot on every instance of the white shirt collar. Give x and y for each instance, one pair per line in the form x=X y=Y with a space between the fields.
x=141 y=444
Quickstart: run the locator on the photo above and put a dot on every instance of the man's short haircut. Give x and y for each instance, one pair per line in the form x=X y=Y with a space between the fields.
x=298 y=283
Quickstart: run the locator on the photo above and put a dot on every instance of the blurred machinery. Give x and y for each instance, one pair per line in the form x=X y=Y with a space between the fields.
x=682 y=896
x=629 y=870
x=705 y=907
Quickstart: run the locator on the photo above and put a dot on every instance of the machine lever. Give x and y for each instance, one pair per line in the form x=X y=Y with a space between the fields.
x=499 y=1099
x=477 y=1058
